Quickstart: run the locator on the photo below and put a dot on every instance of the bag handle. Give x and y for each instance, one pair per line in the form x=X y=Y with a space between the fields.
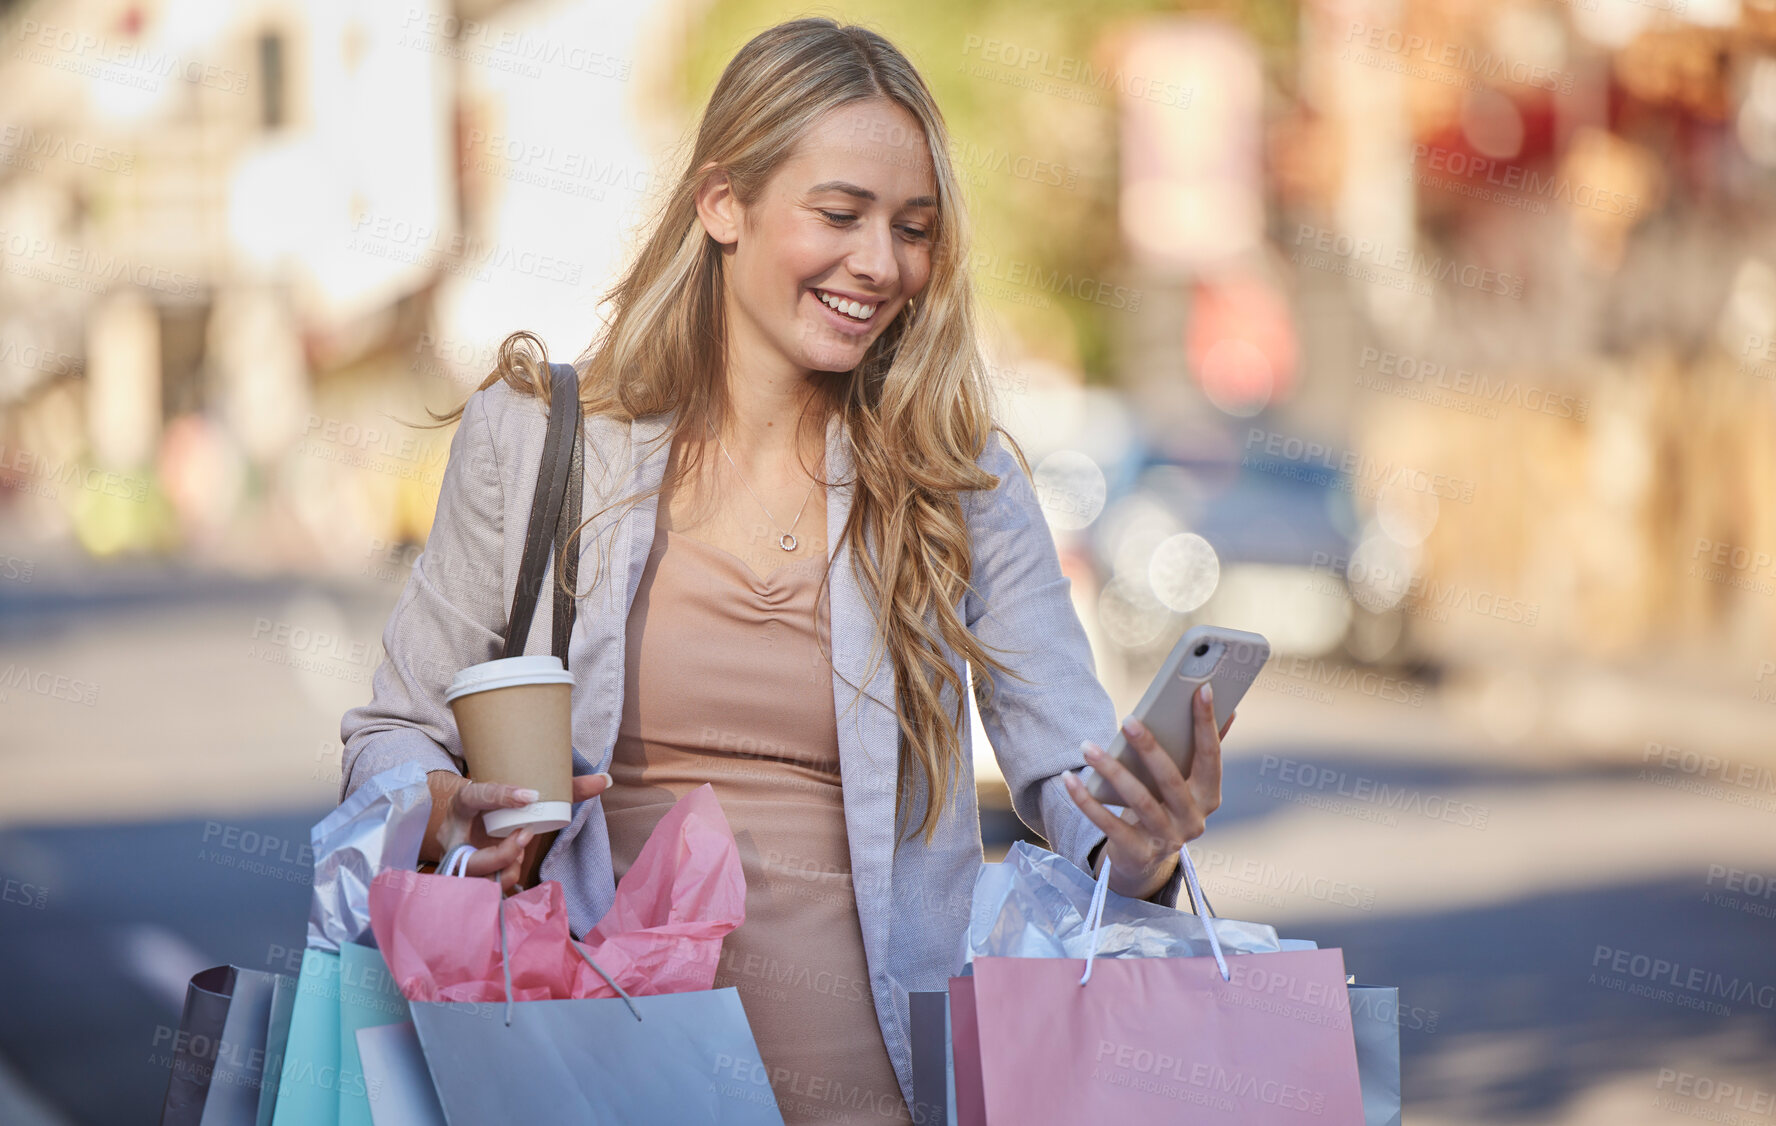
x=1094 y=916
x=456 y=864
x=556 y=504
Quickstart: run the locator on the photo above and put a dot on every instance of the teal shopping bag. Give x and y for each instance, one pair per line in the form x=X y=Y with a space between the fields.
x=309 y=1078
x=322 y=1081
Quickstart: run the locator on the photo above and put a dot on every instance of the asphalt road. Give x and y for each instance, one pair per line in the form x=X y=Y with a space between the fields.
x=1582 y=929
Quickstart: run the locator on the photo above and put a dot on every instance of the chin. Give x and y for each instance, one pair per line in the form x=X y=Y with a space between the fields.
x=833 y=357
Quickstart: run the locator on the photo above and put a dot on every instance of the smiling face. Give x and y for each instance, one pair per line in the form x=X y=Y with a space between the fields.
x=834 y=247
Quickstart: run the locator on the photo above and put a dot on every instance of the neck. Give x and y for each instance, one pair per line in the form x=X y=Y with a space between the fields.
x=766 y=401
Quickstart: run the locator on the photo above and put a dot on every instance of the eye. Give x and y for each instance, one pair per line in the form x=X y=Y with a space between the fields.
x=838 y=216
x=916 y=234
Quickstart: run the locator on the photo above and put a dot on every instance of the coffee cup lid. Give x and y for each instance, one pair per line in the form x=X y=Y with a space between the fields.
x=507 y=672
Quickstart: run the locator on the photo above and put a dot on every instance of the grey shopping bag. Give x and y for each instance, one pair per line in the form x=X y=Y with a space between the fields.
x=234 y=1020
x=1375 y=1021
x=668 y=1058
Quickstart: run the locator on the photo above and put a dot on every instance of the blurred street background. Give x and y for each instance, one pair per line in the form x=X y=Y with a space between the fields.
x=1433 y=339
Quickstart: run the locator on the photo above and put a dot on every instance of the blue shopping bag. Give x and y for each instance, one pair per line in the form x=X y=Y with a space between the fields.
x=321 y=1081
x=344 y=984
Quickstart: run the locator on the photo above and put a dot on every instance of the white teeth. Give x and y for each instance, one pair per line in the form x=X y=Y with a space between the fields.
x=849 y=308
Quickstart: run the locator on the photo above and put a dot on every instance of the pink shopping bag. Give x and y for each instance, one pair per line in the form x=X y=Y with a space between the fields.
x=442 y=935
x=1161 y=1040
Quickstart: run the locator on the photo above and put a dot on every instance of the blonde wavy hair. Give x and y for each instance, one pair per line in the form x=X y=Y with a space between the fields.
x=916 y=408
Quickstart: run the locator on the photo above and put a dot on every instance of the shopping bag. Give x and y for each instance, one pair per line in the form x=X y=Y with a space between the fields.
x=233 y=1020
x=321 y=1079
x=934 y=1072
x=520 y=1022
x=395 y=1068
x=673 y=1057
x=1260 y=1029
x=1036 y=904
x=344 y=984
x=1167 y=1040
x=662 y=934
x=1375 y=1022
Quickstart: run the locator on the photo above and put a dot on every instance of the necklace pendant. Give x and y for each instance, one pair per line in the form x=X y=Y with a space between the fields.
x=786 y=541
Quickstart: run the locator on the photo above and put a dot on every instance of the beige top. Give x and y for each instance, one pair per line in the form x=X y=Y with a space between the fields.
x=726 y=683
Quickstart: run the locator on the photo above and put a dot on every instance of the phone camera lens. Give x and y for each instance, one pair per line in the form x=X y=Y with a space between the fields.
x=1202 y=649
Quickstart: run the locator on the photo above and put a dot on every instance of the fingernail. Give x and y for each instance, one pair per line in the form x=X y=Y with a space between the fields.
x=527 y=796
x=1092 y=754
x=608 y=780
x=1208 y=693
x=1131 y=727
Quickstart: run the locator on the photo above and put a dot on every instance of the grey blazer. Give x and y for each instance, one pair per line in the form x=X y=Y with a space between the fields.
x=912 y=900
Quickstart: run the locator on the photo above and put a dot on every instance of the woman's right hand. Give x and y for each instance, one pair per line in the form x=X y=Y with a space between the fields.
x=457 y=806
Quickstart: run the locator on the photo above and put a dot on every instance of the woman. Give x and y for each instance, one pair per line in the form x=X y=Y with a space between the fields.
x=807 y=530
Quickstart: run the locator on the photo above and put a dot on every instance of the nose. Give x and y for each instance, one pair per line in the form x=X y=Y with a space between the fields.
x=872 y=256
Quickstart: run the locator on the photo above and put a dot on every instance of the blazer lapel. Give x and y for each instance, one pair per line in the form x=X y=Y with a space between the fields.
x=869 y=732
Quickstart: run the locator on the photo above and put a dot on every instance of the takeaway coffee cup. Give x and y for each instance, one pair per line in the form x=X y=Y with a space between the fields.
x=513 y=716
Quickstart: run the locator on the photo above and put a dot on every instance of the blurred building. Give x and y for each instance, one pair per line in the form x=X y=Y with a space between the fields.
x=245 y=244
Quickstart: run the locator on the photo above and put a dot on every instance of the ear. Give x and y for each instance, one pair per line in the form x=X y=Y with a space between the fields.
x=717 y=208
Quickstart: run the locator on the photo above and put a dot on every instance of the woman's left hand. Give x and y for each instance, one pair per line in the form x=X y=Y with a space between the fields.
x=1142 y=845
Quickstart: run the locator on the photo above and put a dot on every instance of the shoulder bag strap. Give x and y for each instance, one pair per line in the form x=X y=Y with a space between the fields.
x=554 y=507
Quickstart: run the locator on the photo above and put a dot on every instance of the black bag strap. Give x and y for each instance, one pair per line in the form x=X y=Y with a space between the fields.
x=556 y=506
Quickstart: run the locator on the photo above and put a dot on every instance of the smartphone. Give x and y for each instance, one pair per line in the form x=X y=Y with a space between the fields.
x=1227 y=659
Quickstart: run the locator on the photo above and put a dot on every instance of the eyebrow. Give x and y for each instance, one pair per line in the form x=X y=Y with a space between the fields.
x=864 y=193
